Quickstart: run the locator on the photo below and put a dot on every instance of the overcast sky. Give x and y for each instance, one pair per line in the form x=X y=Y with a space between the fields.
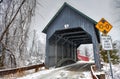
x=95 y=9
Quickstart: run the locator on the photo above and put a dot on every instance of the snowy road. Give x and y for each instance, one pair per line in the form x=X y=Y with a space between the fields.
x=75 y=71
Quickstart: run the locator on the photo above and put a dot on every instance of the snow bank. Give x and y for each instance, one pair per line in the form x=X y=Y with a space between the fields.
x=36 y=75
x=115 y=69
x=60 y=73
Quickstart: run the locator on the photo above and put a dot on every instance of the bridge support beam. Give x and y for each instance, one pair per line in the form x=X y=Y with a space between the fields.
x=96 y=54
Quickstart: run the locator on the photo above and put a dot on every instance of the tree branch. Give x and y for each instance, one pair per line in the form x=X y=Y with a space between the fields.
x=1 y=1
x=11 y=21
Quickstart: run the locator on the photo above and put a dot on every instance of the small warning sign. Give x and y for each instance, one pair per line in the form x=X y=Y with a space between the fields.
x=106 y=43
x=103 y=26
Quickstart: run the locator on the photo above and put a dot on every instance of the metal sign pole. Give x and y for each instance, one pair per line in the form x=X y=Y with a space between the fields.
x=105 y=27
x=108 y=53
x=107 y=45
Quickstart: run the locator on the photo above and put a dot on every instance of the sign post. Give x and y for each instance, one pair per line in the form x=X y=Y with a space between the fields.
x=105 y=27
x=107 y=45
x=108 y=53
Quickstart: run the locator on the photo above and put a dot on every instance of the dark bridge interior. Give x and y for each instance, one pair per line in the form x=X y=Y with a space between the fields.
x=74 y=36
x=66 y=42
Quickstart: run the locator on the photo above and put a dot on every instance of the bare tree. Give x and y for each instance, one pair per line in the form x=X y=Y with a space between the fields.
x=16 y=17
x=1 y=1
x=36 y=50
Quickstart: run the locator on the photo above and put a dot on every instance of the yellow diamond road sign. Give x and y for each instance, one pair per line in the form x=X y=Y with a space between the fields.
x=103 y=26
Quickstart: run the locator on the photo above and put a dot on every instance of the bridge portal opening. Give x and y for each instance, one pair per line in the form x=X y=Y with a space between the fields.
x=64 y=44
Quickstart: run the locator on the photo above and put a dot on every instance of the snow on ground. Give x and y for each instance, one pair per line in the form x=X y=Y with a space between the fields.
x=115 y=69
x=60 y=73
x=65 y=74
x=36 y=75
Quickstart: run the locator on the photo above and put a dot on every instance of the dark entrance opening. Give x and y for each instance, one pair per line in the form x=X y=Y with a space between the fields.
x=65 y=43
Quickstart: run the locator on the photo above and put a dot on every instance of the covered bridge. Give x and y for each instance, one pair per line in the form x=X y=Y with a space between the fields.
x=68 y=29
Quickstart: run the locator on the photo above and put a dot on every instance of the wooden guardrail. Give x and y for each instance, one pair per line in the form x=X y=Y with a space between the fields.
x=15 y=70
x=92 y=72
x=95 y=75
